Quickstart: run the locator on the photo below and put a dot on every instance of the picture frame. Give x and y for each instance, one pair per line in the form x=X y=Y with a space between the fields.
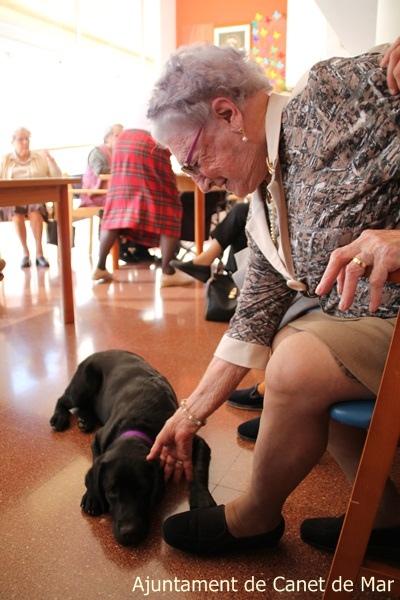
x=235 y=36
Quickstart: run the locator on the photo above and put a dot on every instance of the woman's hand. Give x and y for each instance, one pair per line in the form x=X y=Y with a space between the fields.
x=174 y=447
x=391 y=60
x=174 y=442
x=48 y=156
x=375 y=253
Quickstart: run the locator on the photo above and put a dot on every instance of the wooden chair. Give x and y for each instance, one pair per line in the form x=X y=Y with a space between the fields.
x=84 y=212
x=374 y=469
x=88 y=212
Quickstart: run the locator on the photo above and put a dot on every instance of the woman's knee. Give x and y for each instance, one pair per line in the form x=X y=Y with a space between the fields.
x=35 y=216
x=302 y=367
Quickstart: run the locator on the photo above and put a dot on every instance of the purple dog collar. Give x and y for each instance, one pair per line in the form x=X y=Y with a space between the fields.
x=138 y=434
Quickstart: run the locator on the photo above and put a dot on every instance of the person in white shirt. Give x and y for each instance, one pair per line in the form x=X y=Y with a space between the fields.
x=24 y=163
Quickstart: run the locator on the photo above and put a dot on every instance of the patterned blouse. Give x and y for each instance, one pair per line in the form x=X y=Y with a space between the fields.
x=340 y=160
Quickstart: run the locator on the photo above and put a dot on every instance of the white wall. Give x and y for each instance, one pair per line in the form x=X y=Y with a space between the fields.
x=388 y=21
x=67 y=88
x=309 y=39
x=319 y=29
x=353 y=21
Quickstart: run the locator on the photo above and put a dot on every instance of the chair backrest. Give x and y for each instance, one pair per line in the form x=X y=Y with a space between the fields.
x=373 y=471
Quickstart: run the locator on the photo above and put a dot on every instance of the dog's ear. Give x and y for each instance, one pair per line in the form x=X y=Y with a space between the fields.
x=96 y=446
x=103 y=437
x=94 y=485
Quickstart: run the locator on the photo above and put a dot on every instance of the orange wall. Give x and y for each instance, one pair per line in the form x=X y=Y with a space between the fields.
x=195 y=19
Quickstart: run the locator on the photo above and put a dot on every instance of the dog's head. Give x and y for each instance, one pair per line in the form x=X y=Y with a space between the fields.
x=127 y=486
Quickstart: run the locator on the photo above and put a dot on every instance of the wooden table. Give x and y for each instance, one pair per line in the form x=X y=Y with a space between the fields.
x=15 y=192
x=186 y=184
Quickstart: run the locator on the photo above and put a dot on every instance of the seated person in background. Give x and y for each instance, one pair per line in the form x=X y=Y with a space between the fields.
x=230 y=232
x=24 y=164
x=99 y=163
x=143 y=203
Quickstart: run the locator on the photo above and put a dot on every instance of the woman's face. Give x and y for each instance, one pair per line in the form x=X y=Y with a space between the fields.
x=21 y=144
x=221 y=158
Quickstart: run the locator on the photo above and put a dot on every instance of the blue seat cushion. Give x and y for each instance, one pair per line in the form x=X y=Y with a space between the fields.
x=356 y=413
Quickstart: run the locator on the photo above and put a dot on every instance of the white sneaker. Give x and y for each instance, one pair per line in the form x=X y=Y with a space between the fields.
x=177 y=278
x=102 y=274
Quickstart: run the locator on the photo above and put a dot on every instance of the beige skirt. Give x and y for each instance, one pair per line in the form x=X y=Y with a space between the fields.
x=361 y=345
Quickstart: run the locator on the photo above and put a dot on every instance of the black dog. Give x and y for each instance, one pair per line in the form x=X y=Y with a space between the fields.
x=132 y=401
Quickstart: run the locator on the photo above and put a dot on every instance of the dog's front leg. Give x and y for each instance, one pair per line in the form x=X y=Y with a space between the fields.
x=93 y=501
x=61 y=416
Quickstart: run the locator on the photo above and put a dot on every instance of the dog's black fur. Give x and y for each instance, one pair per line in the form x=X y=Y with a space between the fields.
x=123 y=392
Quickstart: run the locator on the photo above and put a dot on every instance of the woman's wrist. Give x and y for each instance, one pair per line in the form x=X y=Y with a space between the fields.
x=191 y=416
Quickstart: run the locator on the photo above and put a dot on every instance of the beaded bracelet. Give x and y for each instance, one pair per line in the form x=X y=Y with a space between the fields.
x=192 y=418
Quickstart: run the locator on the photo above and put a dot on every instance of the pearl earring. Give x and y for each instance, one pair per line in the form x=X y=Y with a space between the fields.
x=244 y=136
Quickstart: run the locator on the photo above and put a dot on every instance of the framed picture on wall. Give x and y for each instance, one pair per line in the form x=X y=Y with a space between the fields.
x=235 y=36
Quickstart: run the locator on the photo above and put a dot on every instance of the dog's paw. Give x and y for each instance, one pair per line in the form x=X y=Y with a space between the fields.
x=60 y=421
x=90 y=505
x=85 y=423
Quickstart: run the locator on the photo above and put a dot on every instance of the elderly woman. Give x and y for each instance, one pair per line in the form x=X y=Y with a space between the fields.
x=24 y=163
x=339 y=150
x=99 y=163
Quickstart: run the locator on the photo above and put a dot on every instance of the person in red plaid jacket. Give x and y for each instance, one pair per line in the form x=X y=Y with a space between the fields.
x=142 y=203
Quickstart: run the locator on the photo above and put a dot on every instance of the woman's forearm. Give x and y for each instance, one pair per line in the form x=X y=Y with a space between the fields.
x=219 y=380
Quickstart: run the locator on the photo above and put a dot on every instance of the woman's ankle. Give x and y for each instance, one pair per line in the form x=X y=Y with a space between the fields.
x=244 y=519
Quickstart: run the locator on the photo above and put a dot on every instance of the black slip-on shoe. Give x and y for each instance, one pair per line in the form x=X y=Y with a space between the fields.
x=248 y=399
x=42 y=262
x=200 y=272
x=204 y=531
x=323 y=533
x=25 y=262
x=248 y=430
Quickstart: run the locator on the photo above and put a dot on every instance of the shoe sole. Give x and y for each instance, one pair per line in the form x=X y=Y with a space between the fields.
x=241 y=407
x=246 y=438
x=106 y=278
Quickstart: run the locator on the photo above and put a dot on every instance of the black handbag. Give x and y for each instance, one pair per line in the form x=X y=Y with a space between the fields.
x=52 y=234
x=221 y=297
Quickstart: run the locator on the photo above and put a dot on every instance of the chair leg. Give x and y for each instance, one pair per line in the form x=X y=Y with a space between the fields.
x=374 y=469
x=90 y=236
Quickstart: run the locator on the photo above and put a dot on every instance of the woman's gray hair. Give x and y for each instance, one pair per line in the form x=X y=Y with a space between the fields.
x=192 y=77
x=20 y=130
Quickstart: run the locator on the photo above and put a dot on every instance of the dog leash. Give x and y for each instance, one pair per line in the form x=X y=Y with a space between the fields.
x=138 y=434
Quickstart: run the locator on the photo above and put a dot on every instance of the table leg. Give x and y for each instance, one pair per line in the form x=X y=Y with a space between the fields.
x=64 y=248
x=199 y=218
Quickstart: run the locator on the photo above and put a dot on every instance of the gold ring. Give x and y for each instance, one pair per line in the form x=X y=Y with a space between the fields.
x=359 y=262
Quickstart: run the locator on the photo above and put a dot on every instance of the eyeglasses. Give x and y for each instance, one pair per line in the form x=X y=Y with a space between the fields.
x=187 y=167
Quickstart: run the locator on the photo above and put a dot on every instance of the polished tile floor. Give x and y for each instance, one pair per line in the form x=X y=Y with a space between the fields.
x=49 y=549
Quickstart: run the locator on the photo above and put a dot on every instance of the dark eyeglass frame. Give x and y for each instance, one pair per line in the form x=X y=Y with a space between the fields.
x=187 y=167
